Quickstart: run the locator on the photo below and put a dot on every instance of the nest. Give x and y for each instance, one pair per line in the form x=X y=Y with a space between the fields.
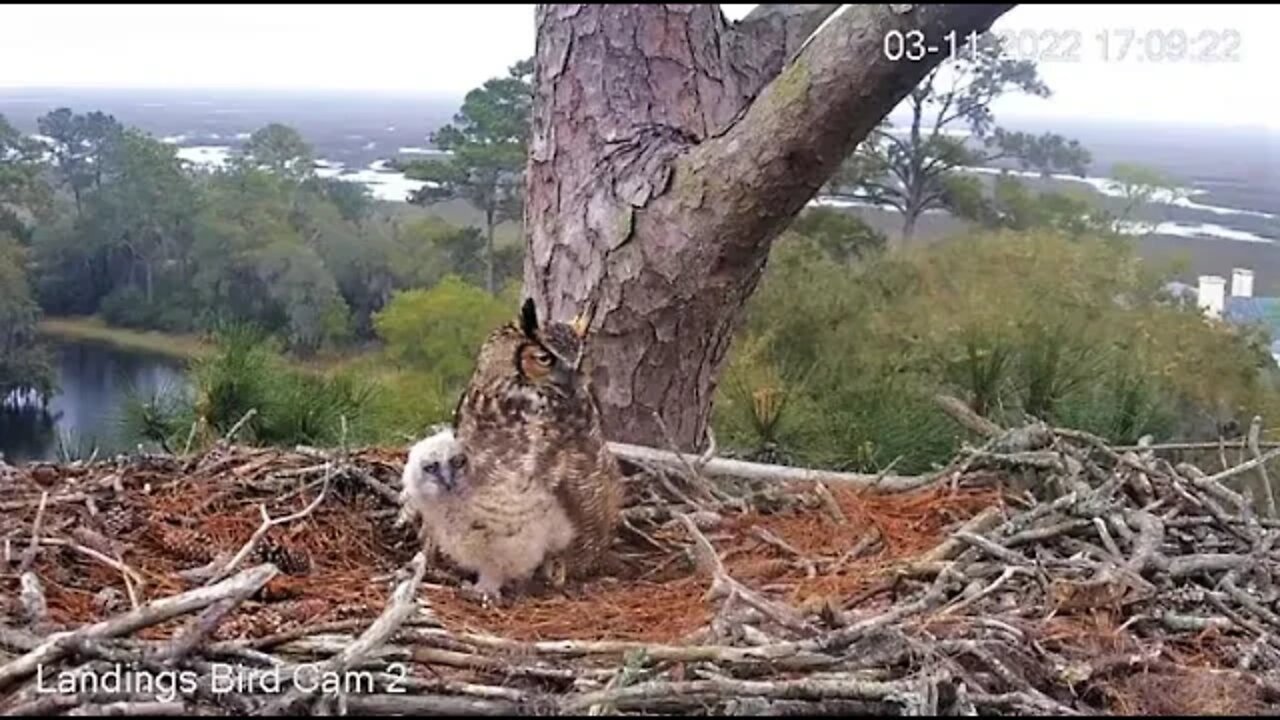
x=272 y=581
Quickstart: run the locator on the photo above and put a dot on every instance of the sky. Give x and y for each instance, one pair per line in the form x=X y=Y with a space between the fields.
x=445 y=50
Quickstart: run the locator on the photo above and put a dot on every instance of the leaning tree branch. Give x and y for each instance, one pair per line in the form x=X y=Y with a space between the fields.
x=769 y=37
x=809 y=118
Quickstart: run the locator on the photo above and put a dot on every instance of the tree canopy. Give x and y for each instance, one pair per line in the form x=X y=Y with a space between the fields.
x=913 y=169
x=487 y=145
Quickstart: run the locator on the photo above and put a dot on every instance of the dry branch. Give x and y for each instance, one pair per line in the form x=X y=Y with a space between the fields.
x=744 y=470
x=402 y=605
x=150 y=614
x=268 y=522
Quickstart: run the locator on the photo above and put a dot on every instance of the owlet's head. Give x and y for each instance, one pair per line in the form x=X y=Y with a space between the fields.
x=436 y=467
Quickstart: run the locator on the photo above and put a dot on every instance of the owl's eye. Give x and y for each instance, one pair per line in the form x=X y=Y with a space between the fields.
x=432 y=468
x=543 y=358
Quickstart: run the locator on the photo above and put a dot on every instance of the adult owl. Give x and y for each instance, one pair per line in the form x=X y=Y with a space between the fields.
x=544 y=485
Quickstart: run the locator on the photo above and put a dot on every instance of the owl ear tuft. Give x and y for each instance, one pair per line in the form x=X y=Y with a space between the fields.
x=529 y=318
x=579 y=324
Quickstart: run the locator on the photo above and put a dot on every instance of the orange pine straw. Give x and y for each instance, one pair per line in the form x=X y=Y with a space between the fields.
x=186 y=520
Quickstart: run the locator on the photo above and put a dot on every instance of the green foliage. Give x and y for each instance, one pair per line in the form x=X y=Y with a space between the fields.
x=405 y=404
x=353 y=201
x=80 y=144
x=161 y=417
x=23 y=364
x=487 y=144
x=1074 y=330
x=844 y=237
x=440 y=330
x=279 y=149
x=1013 y=206
x=246 y=372
x=156 y=244
x=1139 y=186
x=24 y=195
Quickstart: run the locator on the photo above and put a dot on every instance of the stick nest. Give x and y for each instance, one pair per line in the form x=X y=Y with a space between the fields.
x=1123 y=584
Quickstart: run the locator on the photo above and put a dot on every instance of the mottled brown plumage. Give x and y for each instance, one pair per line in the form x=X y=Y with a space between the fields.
x=537 y=458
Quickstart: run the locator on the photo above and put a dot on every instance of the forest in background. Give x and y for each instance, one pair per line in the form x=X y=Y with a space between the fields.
x=1042 y=310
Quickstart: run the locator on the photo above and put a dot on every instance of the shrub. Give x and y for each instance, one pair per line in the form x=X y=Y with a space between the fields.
x=440 y=330
x=839 y=364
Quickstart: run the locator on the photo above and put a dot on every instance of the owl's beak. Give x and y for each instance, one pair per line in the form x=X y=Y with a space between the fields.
x=562 y=375
x=448 y=477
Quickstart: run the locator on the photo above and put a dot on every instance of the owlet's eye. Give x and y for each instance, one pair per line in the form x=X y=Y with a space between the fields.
x=458 y=462
x=432 y=468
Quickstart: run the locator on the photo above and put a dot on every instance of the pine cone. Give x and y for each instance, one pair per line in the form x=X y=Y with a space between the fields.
x=251 y=624
x=280 y=588
x=290 y=562
x=108 y=600
x=181 y=543
x=300 y=612
x=118 y=520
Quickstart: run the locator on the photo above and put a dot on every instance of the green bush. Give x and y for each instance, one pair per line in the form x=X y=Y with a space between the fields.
x=247 y=372
x=440 y=330
x=838 y=365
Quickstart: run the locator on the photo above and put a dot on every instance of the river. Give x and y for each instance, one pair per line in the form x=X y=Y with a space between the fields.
x=94 y=381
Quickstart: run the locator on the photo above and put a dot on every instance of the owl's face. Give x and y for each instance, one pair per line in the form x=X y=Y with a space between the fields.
x=547 y=358
x=436 y=467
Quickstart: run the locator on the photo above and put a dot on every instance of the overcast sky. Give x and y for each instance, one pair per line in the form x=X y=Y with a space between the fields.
x=448 y=49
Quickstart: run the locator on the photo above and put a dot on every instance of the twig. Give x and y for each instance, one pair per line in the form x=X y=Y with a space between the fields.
x=29 y=556
x=638 y=696
x=722 y=584
x=964 y=603
x=768 y=538
x=200 y=628
x=780 y=655
x=1245 y=467
x=34 y=606
x=993 y=549
x=130 y=709
x=445 y=705
x=1268 y=493
x=155 y=612
x=402 y=605
x=947 y=549
x=829 y=503
x=132 y=579
x=691 y=473
x=268 y=522
x=231 y=434
x=868 y=540
x=965 y=416
x=1190 y=446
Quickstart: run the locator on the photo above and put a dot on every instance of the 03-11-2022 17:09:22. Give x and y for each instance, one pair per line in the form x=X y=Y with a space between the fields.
x=1068 y=45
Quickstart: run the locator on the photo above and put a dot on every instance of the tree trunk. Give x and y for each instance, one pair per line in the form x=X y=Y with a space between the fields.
x=488 y=252
x=668 y=149
x=908 y=227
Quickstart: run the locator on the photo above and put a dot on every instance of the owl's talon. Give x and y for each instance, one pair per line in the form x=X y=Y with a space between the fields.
x=470 y=592
x=484 y=591
x=555 y=572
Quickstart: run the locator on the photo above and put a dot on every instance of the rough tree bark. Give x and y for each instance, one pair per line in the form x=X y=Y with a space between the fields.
x=668 y=149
